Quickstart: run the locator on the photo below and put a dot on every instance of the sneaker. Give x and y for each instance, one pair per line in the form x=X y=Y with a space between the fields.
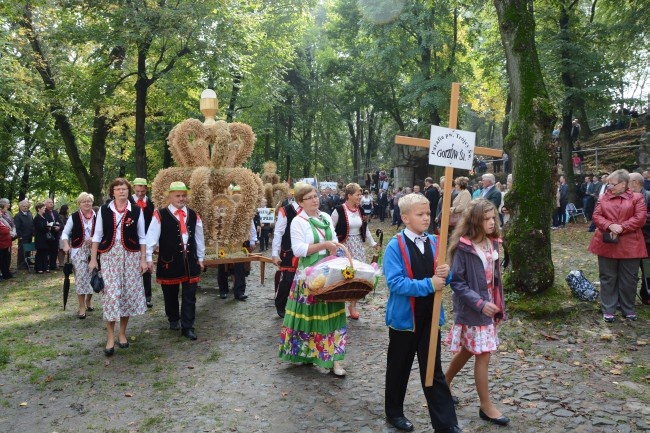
x=609 y=318
x=631 y=317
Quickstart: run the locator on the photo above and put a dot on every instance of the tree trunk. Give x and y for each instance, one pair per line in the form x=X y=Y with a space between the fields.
x=530 y=200
x=234 y=94
x=141 y=88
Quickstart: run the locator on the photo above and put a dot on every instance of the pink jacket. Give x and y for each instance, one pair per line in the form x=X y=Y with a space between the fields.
x=5 y=237
x=628 y=210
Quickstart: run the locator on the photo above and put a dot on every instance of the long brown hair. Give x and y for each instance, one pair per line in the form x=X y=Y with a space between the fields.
x=471 y=224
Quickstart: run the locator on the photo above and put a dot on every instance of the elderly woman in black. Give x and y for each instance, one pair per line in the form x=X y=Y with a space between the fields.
x=77 y=237
x=120 y=238
x=41 y=229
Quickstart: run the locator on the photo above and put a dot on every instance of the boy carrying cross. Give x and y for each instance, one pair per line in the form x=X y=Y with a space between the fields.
x=412 y=274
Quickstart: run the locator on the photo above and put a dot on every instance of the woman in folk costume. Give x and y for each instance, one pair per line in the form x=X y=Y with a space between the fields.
x=77 y=238
x=352 y=230
x=120 y=238
x=313 y=332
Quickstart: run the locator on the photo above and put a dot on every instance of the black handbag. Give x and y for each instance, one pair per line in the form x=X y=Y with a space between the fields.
x=96 y=281
x=608 y=239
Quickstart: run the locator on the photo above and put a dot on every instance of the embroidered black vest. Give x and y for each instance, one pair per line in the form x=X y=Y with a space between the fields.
x=78 y=233
x=175 y=265
x=342 y=225
x=147 y=212
x=128 y=225
x=286 y=253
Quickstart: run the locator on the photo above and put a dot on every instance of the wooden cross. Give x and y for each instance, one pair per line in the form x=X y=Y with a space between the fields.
x=446 y=205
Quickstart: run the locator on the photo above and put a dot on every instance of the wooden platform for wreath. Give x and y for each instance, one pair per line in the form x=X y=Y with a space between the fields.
x=213 y=263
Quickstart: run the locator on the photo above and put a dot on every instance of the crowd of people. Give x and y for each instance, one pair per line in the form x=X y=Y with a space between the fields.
x=121 y=236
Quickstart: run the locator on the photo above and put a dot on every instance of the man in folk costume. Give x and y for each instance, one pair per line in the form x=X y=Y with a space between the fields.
x=282 y=254
x=178 y=233
x=140 y=199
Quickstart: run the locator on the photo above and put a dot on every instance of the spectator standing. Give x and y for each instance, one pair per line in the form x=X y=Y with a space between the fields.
x=41 y=229
x=506 y=162
x=618 y=242
x=7 y=220
x=382 y=203
x=433 y=195
x=646 y=180
x=366 y=205
x=575 y=131
x=64 y=214
x=636 y=185
x=460 y=203
x=489 y=192
x=587 y=197
x=54 y=227
x=24 y=223
x=397 y=194
x=5 y=249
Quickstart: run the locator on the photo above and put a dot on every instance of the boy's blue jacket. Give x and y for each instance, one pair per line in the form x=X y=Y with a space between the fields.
x=400 y=309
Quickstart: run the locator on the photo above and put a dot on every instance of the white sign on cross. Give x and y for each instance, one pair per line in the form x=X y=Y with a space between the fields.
x=447 y=148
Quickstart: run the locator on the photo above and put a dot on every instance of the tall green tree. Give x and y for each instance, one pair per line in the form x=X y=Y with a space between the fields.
x=528 y=237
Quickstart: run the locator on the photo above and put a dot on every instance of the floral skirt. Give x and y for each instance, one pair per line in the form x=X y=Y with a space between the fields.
x=475 y=339
x=123 y=289
x=313 y=331
x=356 y=247
x=79 y=259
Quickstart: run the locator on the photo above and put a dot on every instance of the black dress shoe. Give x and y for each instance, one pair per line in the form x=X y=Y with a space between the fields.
x=454 y=429
x=280 y=312
x=109 y=352
x=502 y=420
x=149 y=303
x=401 y=423
x=189 y=333
x=123 y=345
x=223 y=295
x=241 y=297
x=174 y=326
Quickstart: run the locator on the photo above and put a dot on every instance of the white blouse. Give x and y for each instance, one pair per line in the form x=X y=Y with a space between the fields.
x=99 y=225
x=354 y=223
x=302 y=235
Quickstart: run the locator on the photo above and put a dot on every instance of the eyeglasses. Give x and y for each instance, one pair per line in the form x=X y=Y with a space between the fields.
x=612 y=185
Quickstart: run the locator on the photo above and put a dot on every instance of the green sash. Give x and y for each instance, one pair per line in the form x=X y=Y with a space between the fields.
x=316 y=224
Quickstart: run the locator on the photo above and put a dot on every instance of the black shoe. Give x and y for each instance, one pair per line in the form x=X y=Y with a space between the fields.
x=454 y=429
x=241 y=297
x=223 y=295
x=189 y=333
x=174 y=326
x=280 y=312
x=401 y=423
x=149 y=303
x=123 y=345
x=455 y=399
x=109 y=352
x=502 y=420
